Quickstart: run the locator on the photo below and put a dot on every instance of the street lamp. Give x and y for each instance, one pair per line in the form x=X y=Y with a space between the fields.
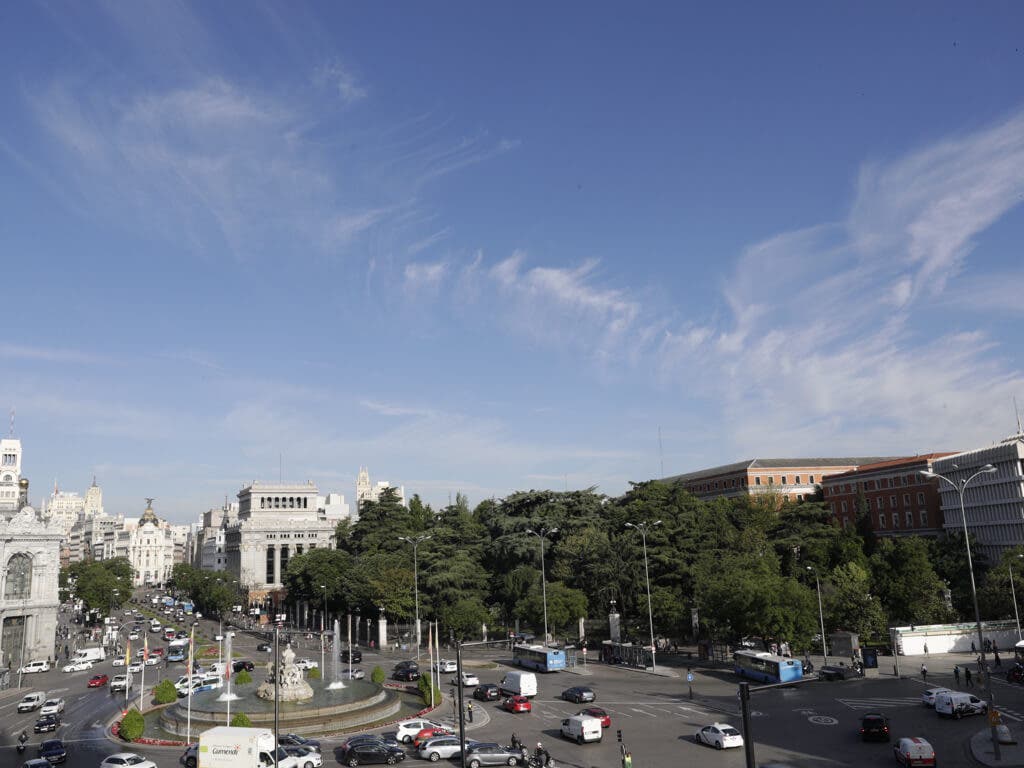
x=1013 y=595
x=960 y=487
x=416 y=541
x=323 y=621
x=642 y=527
x=821 y=615
x=542 y=534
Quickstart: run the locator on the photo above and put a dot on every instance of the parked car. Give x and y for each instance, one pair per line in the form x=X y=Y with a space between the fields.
x=468 y=680
x=36 y=762
x=913 y=750
x=127 y=760
x=355 y=653
x=874 y=726
x=487 y=692
x=719 y=736
x=489 y=753
x=52 y=707
x=600 y=714
x=77 y=666
x=368 y=753
x=579 y=694
x=295 y=740
x=46 y=724
x=407 y=729
x=406 y=675
x=98 y=681
x=516 y=704
x=441 y=747
x=53 y=751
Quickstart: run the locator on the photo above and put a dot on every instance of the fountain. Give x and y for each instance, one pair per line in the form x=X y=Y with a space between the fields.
x=315 y=707
x=337 y=683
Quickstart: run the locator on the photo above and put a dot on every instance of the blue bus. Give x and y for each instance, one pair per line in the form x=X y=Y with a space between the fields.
x=760 y=665
x=539 y=658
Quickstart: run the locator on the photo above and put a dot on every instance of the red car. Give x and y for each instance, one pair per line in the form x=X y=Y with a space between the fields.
x=429 y=733
x=600 y=714
x=516 y=704
x=156 y=652
x=98 y=681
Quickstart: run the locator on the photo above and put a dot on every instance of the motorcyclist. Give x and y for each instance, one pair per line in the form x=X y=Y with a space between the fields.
x=541 y=755
x=517 y=745
x=21 y=741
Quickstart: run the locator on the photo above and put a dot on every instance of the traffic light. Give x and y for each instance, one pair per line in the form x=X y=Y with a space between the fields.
x=618 y=736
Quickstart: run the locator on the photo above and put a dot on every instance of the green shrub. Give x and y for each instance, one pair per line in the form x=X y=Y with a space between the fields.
x=241 y=720
x=424 y=688
x=243 y=677
x=165 y=692
x=132 y=725
x=313 y=674
x=377 y=675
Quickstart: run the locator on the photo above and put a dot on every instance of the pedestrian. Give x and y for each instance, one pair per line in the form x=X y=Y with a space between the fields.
x=956 y=675
x=926 y=649
x=974 y=648
x=998 y=662
x=627 y=760
x=967 y=678
x=924 y=673
x=995 y=648
x=469 y=711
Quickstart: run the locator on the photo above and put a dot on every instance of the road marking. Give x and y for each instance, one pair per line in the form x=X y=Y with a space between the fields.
x=618 y=712
x=880 y=702
x=663 y=710
x=643 y=712
x=823 y=720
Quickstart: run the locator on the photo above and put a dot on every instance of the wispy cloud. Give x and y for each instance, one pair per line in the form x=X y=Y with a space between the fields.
x=47 y=354
x=427 y=242
x=393 y=409
x=420 y=276
x=343 y=81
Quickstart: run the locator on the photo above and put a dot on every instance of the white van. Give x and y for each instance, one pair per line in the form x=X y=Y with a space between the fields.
x=518 y=683
x=582 y=728
x=90 y=654
x=216 y=668
x=957 y=704
x=31 y=702
x=35 y=666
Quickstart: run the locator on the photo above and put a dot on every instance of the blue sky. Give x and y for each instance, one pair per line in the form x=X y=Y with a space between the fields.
x=492 y=247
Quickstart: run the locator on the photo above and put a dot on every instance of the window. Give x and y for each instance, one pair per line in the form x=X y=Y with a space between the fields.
x=757 y=480
x=881 y=503
x=910 y=519
x=771 y=480
x=797 y=480
x=920 y=497
x=811 y=479
x=924 y=518
x=906 y=499
x=895 y=519
x=844 y=506
x=892 y=501
x=18 y=585
x=783 y=479
x=881 y=520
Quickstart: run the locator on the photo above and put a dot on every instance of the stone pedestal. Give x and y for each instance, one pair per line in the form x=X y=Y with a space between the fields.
x=382 y=633
x=614 y=627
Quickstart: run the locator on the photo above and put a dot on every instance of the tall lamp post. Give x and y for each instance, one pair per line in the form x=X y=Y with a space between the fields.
x=541 y=534
x=642 y=527
x=323 y=622
x=960 y=487
x=416 y=541
x=1013 y=596
x=821 y=615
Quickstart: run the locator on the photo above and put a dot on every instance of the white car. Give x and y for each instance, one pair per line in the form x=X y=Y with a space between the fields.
x=355 y=674
x=77 y=666
x=118 y=661
x=407 y=729
x=306 y=664
x=52 y=707
x=441 y=748
x=135 y=666
x=928 y=697
x=468 y=679
x=447 y=665
x=133 y=636
x=127 y=760
x=719 y=736
x=152 y=661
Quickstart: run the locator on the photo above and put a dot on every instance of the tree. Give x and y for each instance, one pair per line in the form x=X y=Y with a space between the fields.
x=849 y=604
x=377 y=675
x=165 y=693
x=464 y=618
x=133 y=725
x=101 y=585
x=906 y=582
x=565 y=606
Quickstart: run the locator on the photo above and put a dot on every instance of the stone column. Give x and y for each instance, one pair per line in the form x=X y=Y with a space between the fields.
x=614 y=628
x=382 y=632
x=277 y=567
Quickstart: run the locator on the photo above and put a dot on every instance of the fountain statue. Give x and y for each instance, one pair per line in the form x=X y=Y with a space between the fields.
x=291 y=686
x=337 y=683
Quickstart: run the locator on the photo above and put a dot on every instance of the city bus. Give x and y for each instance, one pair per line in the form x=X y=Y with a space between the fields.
x=763 y=666
x=539 y=658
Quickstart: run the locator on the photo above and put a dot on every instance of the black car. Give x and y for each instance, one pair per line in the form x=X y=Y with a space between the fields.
x=407 y=665
x=368 y=753
x=579 y=694
x=294 y=740
x=874 y=726
x=406 y=675
x=53 y=751
x=836 y=673
x=264 y=647
x=47 y=724
x=239 y=664
x=376 y=738
x=487 y=692
x=355 y=653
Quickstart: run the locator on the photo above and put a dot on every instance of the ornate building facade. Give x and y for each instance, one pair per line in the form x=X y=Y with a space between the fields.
x=149 y=545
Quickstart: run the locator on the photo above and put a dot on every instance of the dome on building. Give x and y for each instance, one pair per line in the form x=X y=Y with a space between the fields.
x=149 y=516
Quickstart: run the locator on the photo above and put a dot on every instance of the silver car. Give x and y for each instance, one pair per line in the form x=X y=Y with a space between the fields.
x=441 y=748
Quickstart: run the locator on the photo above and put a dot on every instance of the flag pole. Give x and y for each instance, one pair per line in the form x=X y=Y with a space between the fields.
x=191 y=645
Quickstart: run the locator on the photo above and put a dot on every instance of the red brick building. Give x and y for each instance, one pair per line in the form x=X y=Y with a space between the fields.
x=902 y=502
x=796 y=479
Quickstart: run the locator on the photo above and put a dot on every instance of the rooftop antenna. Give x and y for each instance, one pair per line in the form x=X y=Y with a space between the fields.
x=1016 y=410
x=12 y=423
x=661 y=452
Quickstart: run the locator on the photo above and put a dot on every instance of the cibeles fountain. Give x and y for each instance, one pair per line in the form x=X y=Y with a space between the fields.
x=311 y=707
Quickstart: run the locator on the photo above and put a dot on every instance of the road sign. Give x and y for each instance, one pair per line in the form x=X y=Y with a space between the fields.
x=689 y=679
x=994 y=717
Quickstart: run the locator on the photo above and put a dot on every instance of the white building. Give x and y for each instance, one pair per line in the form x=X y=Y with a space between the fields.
x=29 y=566
x=210 y=553
x=149 y=545
x=94 y=537
x=994 y=503
x=365 y=491
x=333 y=507
x=64 y=508
x=275 y=522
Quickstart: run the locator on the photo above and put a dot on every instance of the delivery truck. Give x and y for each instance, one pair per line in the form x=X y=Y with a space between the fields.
x=89 y=654
x=227 y=747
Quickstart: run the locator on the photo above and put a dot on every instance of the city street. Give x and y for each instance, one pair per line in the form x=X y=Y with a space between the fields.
x=812 y=725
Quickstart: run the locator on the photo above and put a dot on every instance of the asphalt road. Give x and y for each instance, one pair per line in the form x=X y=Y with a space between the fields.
x=810 y=726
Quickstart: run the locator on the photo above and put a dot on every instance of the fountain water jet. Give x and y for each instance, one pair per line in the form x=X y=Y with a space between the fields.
x=337 y=683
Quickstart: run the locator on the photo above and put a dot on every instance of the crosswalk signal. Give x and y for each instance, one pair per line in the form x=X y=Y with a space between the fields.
x=618 y=736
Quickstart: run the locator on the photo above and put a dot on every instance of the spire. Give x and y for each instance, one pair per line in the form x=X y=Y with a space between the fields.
x=94 y=481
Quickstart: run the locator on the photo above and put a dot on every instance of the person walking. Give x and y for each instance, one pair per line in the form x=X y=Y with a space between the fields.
x=627 y=760
x=967 y=678
x=956 y=675
x=469 y=711
x=926 y=649
x=998 y=662
x=924 y=672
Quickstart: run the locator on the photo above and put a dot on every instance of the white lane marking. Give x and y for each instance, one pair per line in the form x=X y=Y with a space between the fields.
x=618 y=712
x=643 y=712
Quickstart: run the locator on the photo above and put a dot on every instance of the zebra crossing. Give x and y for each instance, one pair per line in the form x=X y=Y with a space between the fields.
x=910 y=701
x=631 y=709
